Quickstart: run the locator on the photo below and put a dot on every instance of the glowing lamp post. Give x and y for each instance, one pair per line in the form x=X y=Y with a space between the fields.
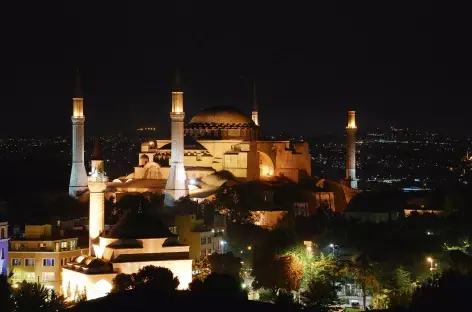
x=430 y=260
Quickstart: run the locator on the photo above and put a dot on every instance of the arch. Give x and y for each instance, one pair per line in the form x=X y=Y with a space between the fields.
x=152 y=171
x=101 y=289
x=266 y=165
x=143 y=160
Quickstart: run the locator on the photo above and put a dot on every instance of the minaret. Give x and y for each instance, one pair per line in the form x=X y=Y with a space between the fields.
x=96 y=164
x=78 y=176
x=97 y=184
x=255 y=108
x=351 y=150
x=176 y=186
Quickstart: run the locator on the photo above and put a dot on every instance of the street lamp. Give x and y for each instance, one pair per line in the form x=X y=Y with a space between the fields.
x=430 y=260
x=332 y=247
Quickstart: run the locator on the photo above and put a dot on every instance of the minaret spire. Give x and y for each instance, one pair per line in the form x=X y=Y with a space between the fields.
x=97 y=165
x=78 y=176
x=78 y=89
x=176 y=186
x=255 y=108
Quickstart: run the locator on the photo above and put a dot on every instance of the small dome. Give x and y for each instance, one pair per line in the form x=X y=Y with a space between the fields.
x=380 y=202
x=139 y=226
x=221 y=115
x=218 y=178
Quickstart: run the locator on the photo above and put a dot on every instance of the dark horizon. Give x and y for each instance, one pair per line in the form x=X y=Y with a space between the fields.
x=401 y=65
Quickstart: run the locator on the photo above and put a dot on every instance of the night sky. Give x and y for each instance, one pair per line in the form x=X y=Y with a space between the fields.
x=397 y=63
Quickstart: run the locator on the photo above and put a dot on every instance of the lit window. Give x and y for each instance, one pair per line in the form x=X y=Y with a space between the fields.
x=49 y=276
x=48 y=262
x=15 y=262
x=16 y=276
x=203 y=253
x=29 y=276
x=29 y=262
x=203 y=241
x=209 y=240
x=72 y=244
x=64 y=245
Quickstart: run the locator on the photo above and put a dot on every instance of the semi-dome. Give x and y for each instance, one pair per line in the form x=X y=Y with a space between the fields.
x=221 y=115
x=136 y=225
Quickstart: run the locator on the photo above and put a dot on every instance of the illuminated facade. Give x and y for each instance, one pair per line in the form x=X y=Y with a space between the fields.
x=351 y=129
x=3 y=247
x=194 y=233
x=39 y=256
x=78 y=176
x=176 y=186
x=137 y=240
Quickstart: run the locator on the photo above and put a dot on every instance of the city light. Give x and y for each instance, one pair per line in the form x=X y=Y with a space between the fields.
x=309 y=249
x=249 y=247
x=222 y=242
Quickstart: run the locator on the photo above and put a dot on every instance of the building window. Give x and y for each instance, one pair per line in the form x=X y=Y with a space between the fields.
x=16 y=276
x=29 y=276
x=73 y=244
x=209 y=251
x=203 y=241
x=15 y=262
x=209 y=240
x=42 y=246
x=203 y=253
x=2 y=254
x=48 y=262
x=2 y=235
x=48 y=276
x=29 y=262
x=64 y=245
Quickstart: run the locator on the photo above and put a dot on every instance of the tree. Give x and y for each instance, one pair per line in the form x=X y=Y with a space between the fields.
x=321 y=294
x=201 y=267
x=400 y=288
x=447 y=292
x=158 y=277
x=33 y=297
x=286 y=301
x=223 y=286
x=122 y=282
x=5 y=293
x=364 y=274
x=225 y=263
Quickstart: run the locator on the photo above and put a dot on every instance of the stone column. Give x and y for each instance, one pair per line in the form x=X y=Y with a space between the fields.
x=176 y=186
x=78 y=176
x=97 y=186
x=351 y=150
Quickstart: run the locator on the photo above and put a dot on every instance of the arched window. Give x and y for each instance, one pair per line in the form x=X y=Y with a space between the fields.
x=2 y=233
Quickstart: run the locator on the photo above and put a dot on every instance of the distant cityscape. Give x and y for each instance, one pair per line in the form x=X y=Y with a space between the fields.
x=392 y=156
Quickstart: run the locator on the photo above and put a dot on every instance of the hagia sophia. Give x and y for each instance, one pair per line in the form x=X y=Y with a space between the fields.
x=217 y=145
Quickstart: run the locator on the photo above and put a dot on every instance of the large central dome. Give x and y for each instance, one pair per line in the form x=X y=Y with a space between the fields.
x=222 y=123
x=221 y=115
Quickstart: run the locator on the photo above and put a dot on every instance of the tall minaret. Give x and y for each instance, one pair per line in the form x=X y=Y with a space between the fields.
x=97 y=184
x=78 y=175
x=176 y=186
x=255 y=108
x=351 y=149
x=96 y=164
